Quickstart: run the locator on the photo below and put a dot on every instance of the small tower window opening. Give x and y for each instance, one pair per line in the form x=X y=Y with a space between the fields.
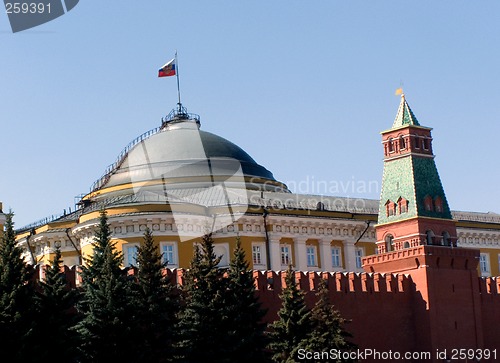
x=391 y=145
x=428 y=203
x=417 y=142
x=389 y=243
x=430 y=237
x=390 y=208
x=406 y=244
x=446 y=239
x=402 y=143
x=403 y=205
x=425 y=144
x=438 y=204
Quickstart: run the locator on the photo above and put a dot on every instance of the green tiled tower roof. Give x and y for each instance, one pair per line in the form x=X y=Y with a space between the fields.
x=413 y=178
x=405 y=115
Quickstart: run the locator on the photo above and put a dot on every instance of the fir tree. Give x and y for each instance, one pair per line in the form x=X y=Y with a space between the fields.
x=245 y=329
x=327 y=327
x=56 y=314
x=108 y=330
x=293 y=323
x=16 y=298
x=202 y=319
x=156 y=302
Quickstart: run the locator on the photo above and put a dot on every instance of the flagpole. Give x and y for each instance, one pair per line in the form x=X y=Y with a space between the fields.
x=178 y=88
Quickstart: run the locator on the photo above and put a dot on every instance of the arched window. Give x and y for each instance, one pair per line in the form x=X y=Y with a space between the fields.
x=430 y=237
x=428 y=203
x=389 y=243
x=402 y=205
x=425 y=144
x=391 y=145
x=446 y=239
x=417 y=142
x=402 y=143
x=438 y=204
x=406 y=245
x=390 y=208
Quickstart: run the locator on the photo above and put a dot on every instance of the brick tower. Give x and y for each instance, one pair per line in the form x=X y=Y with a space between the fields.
x=416 y=235
x=413 y=207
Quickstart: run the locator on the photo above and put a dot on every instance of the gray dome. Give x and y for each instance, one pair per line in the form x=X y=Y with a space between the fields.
x=182 y=154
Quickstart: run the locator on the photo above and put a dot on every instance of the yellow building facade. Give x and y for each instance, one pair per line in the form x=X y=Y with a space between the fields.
x=182 y=182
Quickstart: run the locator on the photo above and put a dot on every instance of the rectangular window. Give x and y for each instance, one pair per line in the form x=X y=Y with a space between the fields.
x=285 y=255
x=359 y=254
x=336 y=257
x=256 y=255
x=484 y=263
x=311 y=256
x=169 y=254
x=131 y=255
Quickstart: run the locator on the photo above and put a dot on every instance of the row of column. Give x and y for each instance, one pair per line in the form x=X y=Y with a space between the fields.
x=324 y=251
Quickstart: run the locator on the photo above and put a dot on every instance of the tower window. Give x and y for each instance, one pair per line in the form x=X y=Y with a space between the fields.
x=438 y=204
x=402 y=143
x=430 y=237
x=391 y=145
x=446 y=239
x=417 y=141
x=403 y=205
x=428 y=203
x=390 y=208
x=425 y=144
x=389 y=243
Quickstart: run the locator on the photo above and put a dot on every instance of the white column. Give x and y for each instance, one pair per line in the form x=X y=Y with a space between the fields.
x=349 y=255
x=300 y=258
x=325 y=250
x=275 y=254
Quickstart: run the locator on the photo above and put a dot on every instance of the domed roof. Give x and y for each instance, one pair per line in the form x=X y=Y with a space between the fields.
x=180 y=154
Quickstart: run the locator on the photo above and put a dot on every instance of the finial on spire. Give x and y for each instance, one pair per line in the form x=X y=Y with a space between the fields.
x=399 y=91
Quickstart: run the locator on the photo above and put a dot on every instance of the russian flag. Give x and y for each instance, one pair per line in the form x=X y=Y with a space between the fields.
x=167 y=70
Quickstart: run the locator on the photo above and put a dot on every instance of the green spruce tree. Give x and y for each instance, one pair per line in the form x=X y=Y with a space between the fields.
x=327 y=328
x=109 y=329
x=293 y=323
x=16 y=299
x=56 y=314
x=245 y=329
x=202 y=320
x=157 y=304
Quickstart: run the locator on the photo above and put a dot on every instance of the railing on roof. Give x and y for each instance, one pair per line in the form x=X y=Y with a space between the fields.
x=121 y=157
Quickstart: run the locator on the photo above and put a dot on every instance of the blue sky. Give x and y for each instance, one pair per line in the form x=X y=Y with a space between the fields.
x=305 y=87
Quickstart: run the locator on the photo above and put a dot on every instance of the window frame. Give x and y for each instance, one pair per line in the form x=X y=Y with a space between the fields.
x=314 y=256
x=336 y=256
x=288 y=255
x=174 y=252
x=126 y=254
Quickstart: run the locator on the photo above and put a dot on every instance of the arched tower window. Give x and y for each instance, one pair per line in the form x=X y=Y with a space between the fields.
x=438 y=204
x=389 y=243
x=391 y=145
x=402 y=205
x=402 y=143
x=390 y=208
x=446 y=239
x=430 y=237
x=428 y=203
